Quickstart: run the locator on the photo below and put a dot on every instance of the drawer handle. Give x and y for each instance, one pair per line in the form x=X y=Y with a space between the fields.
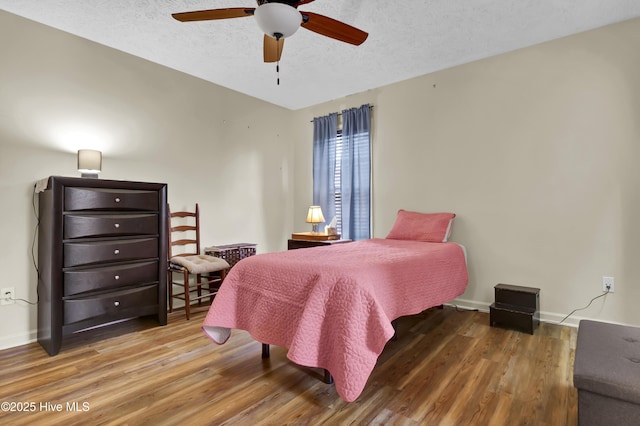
x=116 y=251
x=117 y=200
x=117 y=225
x=116 y=303
x=117 y=277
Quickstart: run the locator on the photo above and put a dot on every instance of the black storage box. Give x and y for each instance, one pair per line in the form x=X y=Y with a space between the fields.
x=516 y=306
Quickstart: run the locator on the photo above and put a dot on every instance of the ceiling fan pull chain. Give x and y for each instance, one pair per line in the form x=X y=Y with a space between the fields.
x=278 y=37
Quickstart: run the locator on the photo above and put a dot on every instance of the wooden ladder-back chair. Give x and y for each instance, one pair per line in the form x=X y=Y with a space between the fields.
x=201 y=274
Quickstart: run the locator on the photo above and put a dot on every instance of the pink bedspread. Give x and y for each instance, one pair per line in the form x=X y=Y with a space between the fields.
x=332 y=306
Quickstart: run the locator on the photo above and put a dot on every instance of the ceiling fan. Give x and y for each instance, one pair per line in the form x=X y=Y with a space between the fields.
x=279 y=19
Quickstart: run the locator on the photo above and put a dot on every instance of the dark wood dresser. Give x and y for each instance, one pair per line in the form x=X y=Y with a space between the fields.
x=102 y=255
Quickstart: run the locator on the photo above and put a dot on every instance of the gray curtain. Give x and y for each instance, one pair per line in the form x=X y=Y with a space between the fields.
x=325 y=133
x=356 y=173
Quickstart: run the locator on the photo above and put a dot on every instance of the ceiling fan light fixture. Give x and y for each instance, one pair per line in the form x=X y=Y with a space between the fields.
x=278 y=18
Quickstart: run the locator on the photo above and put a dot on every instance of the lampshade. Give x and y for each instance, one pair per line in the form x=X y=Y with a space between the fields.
x=314 y=217
x=278 y=19
x=89 y=162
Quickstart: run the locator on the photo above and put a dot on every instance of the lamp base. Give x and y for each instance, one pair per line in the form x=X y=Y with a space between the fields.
x=89 y=175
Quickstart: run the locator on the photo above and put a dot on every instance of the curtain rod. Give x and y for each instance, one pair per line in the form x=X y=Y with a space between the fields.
x=340 y=114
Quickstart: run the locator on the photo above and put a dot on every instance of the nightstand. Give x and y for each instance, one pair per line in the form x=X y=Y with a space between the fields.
x=298 y=244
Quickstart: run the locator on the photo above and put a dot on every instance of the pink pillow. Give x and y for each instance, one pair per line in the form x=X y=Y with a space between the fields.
x=430 y=227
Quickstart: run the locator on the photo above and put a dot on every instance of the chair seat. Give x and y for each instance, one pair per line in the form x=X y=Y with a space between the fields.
x=201 y=263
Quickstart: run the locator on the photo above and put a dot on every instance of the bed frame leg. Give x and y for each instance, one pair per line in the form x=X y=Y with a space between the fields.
x=328 y=378
x=265 y=351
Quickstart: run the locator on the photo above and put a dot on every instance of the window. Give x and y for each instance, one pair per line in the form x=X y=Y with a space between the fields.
x=342 y=171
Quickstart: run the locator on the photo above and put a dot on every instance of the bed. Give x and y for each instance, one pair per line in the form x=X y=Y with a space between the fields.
x=332 y=306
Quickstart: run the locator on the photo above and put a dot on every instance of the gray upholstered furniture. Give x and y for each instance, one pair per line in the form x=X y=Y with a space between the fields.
x=607 y=374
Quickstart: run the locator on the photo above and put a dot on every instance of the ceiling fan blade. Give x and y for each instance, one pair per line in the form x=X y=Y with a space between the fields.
x=208 y=15
x=272 y=48
x=331 y=28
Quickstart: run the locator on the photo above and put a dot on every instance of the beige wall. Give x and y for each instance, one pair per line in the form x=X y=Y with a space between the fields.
x=228 y=152
x=536 y=152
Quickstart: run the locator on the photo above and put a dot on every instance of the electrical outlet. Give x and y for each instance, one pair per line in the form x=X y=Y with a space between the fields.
x=607 y=283
x=7 y=295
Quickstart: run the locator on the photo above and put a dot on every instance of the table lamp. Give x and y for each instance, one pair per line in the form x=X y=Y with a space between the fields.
x=89 y=163
x=314 y=217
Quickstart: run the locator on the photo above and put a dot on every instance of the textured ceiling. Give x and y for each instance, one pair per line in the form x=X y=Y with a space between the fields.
x=406 y=38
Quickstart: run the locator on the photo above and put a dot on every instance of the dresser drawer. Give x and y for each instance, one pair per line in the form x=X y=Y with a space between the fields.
x=87 y=253
x=109 y=199
x=79 y=226
x=96 y=279
x=109 y=304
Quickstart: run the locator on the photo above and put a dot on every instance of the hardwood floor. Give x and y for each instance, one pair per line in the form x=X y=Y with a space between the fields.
x=448 y=367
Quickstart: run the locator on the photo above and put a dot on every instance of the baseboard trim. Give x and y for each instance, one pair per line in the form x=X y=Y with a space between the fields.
x=19 y=339
x=546 y=317
x=469 y=305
